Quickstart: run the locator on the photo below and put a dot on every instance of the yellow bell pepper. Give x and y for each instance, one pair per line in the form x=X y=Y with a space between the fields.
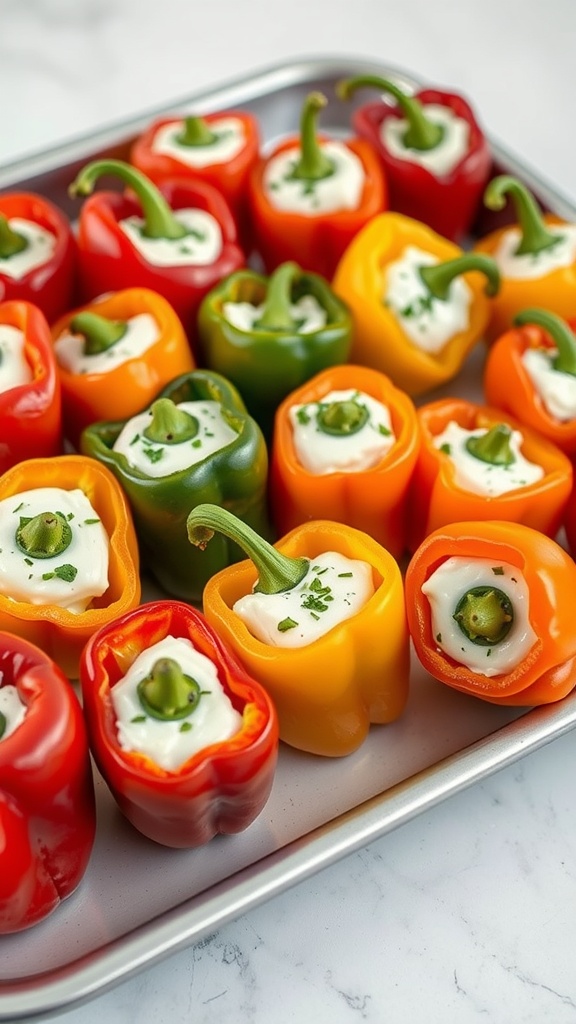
x=328 y=692
x=386 y=319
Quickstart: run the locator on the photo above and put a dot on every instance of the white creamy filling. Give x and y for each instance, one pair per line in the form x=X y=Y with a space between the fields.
x=533 y=265
x=334 y=589
x=341 y=190
x=12 y=708
x=142 y=332
x=448 y=584
x=71 y=579
x=157 y=460
x=322 y=453
x=14 y=367
x=444 y=157
x=308 y=314
x=171 y=743
x=199 y=248
x=479 y=477
x=230 y=138
x=428 y=322
x=556 y=389
x=41 y=245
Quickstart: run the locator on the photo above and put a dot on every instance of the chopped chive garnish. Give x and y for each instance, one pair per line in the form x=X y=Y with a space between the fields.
x=383 y=430
x=286 y=624
x=197 y=443
x=185 y=727
x=89 y=522
x=302 y=416
x=135 y=438
x=21 y=505
x=497 y=570
x=344 y=575
x=65 y=572
x=70 y=516
x=154 y=454
x=29 y=561
x=138 y=718
x=320 y=572
x=314 y=616
x=446 y=448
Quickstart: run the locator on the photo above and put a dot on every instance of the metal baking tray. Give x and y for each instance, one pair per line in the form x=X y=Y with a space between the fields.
x=140 y=902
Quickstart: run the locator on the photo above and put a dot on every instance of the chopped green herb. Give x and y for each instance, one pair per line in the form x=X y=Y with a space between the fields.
x=497 y=570
x=446 y=448
x=312 y=603
x=438 y=638
x=208 y=433
x=344 y=575
x=21 y=505
x=314 y=616
x=197 y=443
x=65 y=572
x=138 y=718
x=135 y=439
x=383 y=430
x=154 y=454
x=302 y=416
x=29 y=561
x=89 y=522
x=286 y=624
x=70 y=516
x=488 y=652
x=320 y=572
x=185 y=727
x=317 y=587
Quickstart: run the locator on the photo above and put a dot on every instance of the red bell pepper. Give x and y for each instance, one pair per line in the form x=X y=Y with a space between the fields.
x=30 y=412
x=446 y=200
x=188 y=147
x=49 y=284
x=47 y=812
x=315 y=239
x=109 y=259
x=222 y=787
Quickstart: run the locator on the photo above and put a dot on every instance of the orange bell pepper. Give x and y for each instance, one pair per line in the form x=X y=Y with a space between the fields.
x=372 y=500
x=509 y=386
x=436 y=499
x=381 y=339
x=130 y=386
x=312 y=238
x=328 y=692
x=546 y=671
x=531 y=243
x=57 y=631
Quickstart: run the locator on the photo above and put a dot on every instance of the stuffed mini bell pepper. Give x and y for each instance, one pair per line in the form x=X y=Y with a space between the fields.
x=47 y=813
x=531 y=374
x=419 y=302
x=344 y=448
x=69 y=554
x=536 y=257
x=178 y=240
x=490 y=608
x=37 y=253
x=30 y=402
x=219 y=148
x=185 y=740
x=311 y=195
x=477 y=463
x=115 y=354
x=319 y=621
x=435 y=155
x=195 y=443
x=269 y=336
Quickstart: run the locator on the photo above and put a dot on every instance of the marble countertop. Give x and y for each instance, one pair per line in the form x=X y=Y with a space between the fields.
x=466 y=912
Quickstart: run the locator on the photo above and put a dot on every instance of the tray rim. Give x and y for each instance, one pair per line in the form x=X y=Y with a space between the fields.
x=71 y=985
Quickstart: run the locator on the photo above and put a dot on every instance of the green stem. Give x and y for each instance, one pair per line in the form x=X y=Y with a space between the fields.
x=167 y=693
x=439 y=277
x=99 y=333
x=11 y=243
x=276 y=313
x=485 y=615
x=276 y=572
x=535 y=236
x=341 y=419
x=43 y=536
x=159 y=219
x=421 y=134
x=196 y=132
x=563 y=338
x=313 y=164
x=169 y=424
x=493 y=446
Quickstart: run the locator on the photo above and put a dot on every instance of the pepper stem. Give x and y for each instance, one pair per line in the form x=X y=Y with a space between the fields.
x=169 y=424
x=341 y=419
x=313 y=164
x=167 y=693
x=99 y=333
x=276 y=572
x=43 y=536
x=11 y=242
x=276 y=312
x=3 y=724
x=485 y=615
x=563 y=338
x=159 y=219
x=439 y=277
x=422 y=133
x=493 y=446
x=196 y=132
x=535 y=236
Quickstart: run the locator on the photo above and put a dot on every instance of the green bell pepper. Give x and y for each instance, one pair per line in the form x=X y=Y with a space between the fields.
x=274 y=351
x=235 y=476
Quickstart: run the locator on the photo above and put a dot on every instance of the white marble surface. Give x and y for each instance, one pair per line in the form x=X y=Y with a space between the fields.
x=468 y=912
